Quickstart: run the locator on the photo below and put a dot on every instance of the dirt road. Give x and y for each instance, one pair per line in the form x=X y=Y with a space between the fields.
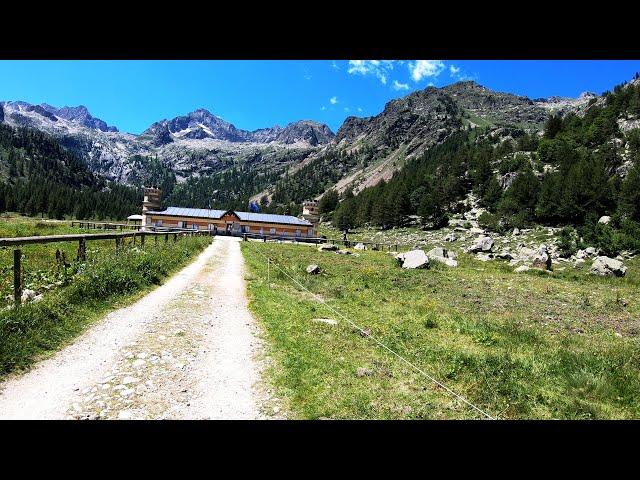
x=188 y=350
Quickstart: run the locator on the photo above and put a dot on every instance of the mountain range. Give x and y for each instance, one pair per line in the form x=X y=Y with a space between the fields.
x=200 y=144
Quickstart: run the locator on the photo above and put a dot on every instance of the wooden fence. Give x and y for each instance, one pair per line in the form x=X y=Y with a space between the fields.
x=81 y=239
x=317 y=240
x=104 y=225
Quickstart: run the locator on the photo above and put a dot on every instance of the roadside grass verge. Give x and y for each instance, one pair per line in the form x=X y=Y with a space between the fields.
x=106 y=280
x=517 y=345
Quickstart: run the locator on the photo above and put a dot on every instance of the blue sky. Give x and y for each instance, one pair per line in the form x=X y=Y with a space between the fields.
x=133 y=94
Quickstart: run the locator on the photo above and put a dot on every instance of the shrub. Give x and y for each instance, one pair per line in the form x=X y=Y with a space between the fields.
x=491 y=222
x=567 y=242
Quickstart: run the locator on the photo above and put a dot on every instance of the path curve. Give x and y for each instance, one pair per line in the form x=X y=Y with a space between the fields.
x=189 y=349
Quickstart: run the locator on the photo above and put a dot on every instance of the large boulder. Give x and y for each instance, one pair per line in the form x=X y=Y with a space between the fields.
x=439 y=254
x=413 y=259
x=608 y=266
x=604 y=219
x=483 y=244
x=521 y=269
x=359 y=246
x=327 y=247
x=451 y=237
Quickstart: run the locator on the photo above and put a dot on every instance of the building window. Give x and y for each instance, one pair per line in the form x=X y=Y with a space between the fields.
x=158 y=223
x=311 y=232
x=181 y=224
x=272 y=231
x=298 y=232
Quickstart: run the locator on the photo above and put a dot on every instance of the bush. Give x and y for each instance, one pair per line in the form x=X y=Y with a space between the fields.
x=491 y=222
x=567 y=242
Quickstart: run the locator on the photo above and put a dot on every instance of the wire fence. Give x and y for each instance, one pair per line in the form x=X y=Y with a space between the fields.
x=367 y=335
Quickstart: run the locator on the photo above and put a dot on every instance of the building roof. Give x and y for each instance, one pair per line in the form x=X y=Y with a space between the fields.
x=243 y=216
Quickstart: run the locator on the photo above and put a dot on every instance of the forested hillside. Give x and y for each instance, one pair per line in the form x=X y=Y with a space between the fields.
x=581 y=168
x=39 y=177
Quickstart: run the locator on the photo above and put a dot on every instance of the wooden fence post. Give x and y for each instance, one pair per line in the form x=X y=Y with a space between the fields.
x=82 y=250
x=175 y=237
x=142 y=240
x=17 y=271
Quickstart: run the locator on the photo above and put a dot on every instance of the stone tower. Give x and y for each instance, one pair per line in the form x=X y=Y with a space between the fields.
x=152 y=200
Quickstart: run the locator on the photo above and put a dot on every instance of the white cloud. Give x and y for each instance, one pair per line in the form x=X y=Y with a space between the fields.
x=378 y=68
x=359 y=109
x=335 y=65
x=323 y=108
x=425 y=68
x=400 y=86
x=308 y=77
x=454 y=70
x=333 y=100
x=347 y=109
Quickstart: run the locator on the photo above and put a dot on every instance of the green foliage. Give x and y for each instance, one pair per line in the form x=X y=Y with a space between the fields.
x=491 y=222
x=567 y=242
x=328 y=202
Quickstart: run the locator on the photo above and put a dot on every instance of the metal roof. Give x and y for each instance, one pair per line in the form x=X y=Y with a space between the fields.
x=190 y=212
x=270 y=218
x=244 y=216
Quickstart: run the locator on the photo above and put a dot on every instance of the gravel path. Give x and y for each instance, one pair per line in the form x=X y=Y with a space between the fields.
x=188 y=350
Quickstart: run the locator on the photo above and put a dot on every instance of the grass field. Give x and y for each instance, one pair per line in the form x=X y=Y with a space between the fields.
x=532 y=345
x=76 y=296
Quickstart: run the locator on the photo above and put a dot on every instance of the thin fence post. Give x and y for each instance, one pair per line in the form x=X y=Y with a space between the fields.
x=155 y=237
x=268 y=276
x=82 y=249
x=17 y=270
x=166 y=237
x=142 y=240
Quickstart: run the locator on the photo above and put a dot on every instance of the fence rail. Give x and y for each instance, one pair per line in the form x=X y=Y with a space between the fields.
x=104 y=225
x=82 y=239
x=317 y=240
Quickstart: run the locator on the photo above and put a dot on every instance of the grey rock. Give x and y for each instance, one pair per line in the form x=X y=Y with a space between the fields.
x=28 y=295
x=363 y=372
x=359 y=246
x=313 y=269
x=521 y=268
x=483 y=244
x=608 y=266
x=451 y=237
x=327 y=247
x=413 y=259
x=605 y=219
